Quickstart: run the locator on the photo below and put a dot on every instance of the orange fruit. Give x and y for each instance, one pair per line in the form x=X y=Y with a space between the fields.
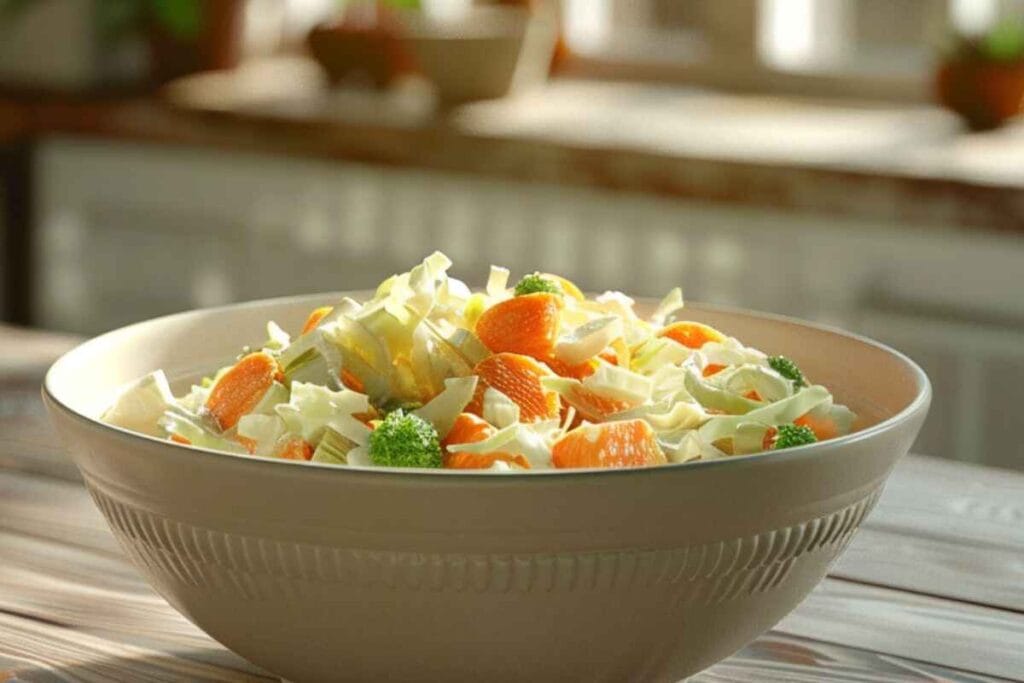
x=315 y=317
x=471 y=429
x=239 y=390
x=518 y=377
x=629 y=443
x=691 y=334
x=525 y=324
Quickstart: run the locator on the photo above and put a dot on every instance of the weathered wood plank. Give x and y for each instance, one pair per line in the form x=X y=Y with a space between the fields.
x=54 y=509
x=947 y=529
x=935 y=566
x=924 y=628
x=27 y=441
x=34 y=651
x=779 y=658
x=979 y=507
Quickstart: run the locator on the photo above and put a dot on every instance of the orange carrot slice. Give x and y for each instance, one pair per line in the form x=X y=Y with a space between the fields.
x=177 y=438
x=525 y=324
x=471 y=429
x=769 y=438
x=629 y=443
x=296 y=449
x=577 y=371
x=315 y=317
x=823 y=427
x=609 y=356
x=592 y=406
x=247 y=443
x=350 y=381
x=239 y=390
x=518 y=377
x=467 y=428
x=691 y=334
x=712 y=369
x=752 y=395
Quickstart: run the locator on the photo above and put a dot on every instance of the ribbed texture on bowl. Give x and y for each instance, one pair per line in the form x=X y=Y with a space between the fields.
x=259 y=568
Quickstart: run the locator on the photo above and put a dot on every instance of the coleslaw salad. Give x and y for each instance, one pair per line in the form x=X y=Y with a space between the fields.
x=429 y=374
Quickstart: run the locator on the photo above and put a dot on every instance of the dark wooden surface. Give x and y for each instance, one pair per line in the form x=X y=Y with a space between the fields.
x=932 y=588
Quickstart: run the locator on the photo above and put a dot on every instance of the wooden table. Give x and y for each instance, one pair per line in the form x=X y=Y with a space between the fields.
x=931 y=589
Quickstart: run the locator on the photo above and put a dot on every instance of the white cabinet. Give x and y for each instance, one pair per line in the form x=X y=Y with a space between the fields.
x=128 y=232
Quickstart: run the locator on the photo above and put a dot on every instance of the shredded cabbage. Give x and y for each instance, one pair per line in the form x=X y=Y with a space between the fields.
x=417 y=344
x=780 y=412
x=443 y=409
x=141 y=404
x=196 y=431
x=531 y=440
x=619 y=383
x=312 y=408
x=670 y=305
x=265 y=430
x=588 y=340
x=499 y=409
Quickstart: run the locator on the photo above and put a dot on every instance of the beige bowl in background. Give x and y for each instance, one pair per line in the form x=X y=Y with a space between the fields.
x=484 y=54
x=327 y=574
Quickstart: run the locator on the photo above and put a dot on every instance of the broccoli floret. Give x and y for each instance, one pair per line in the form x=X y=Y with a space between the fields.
x=405 y=440
x=793 y=435
x=787 y=369
x=533 y=283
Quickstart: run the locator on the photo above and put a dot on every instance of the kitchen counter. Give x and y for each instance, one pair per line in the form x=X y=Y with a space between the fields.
x=886 y=162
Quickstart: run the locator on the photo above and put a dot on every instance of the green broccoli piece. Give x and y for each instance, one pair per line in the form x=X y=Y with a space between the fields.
x=793 y=435
x=405 y=440
x=534 y=283
x=787 y=369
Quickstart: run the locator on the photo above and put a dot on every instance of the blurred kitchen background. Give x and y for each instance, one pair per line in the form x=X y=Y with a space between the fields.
x=856 y=162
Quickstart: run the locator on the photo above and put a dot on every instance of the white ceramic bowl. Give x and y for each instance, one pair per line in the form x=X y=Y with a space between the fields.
x=326 y=574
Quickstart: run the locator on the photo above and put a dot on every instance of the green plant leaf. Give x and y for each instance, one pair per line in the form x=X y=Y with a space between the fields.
x=183 y=19
x=1005 y=42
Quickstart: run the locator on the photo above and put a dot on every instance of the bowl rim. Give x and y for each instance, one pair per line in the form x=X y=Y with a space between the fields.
x=799 y=453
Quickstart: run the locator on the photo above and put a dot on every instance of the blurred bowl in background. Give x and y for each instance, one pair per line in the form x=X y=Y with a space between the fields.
x=483 y=53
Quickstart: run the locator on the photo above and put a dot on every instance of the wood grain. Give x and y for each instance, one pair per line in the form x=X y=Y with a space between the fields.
x=968 y=637
x=947 y=529
x=27 y=442
x=31 y=650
